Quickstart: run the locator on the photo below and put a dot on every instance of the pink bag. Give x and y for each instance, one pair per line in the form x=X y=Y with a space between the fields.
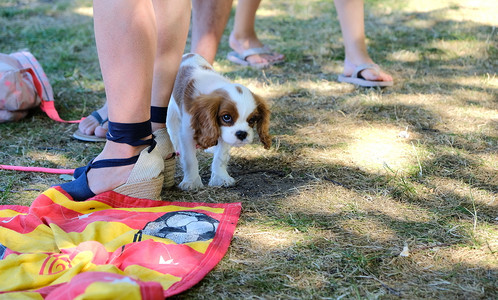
x=17 y=91
x=23 y=86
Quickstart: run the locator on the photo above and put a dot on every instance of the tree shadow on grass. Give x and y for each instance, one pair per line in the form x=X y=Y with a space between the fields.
x=334 y=247
x=336 y=259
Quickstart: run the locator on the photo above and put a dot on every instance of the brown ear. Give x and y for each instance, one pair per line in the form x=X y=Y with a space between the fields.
x=204 y=122
x=263 y=125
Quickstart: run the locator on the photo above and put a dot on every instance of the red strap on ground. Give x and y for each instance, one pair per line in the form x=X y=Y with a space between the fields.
x=37 y=169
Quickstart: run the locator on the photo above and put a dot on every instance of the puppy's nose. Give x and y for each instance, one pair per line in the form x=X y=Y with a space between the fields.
x=241 y=135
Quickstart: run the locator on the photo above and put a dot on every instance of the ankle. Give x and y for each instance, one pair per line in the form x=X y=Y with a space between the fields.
x=114 y=150
x=157 y=126
x=244 y=40
x=158 y=117
x=356 y=60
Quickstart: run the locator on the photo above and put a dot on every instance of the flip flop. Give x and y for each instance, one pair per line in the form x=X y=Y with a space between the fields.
x=241 y=58
x=91 y=138
x=357 y=79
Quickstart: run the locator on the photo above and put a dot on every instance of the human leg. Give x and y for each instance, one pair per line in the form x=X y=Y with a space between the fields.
x=172 y=31
x=209 y=19
x=170 y=47
x=125 y=32
x=351 y=19
x=112 y=20
x=244 y=37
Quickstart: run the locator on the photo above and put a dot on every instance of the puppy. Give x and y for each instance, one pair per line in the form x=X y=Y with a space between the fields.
x=207 y=110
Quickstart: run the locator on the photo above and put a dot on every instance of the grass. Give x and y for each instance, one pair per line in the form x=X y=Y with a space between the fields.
x=354 y=175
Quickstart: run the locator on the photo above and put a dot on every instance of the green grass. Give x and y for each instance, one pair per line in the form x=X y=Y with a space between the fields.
x=354 y=174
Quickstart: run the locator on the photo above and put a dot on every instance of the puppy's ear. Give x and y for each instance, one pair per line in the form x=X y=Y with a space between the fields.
x=204 y=122
x=263 y=125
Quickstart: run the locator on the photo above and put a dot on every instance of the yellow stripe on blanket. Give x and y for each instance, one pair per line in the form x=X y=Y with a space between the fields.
x=145 y=274
x=9 y=213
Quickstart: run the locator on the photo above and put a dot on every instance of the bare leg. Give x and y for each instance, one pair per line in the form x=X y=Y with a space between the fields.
x=126 y=38
x=170 y=46
x=351 y=18
x=209 y=20
x=244 y=36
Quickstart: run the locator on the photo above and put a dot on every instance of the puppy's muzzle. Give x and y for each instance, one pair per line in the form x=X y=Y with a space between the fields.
x=241 y=135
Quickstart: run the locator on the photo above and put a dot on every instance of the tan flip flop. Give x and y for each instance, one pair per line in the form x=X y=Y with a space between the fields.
x=241 y=58
x=357 y=79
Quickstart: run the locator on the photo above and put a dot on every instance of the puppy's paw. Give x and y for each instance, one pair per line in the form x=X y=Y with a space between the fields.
x=190 y=185
x=217 y=180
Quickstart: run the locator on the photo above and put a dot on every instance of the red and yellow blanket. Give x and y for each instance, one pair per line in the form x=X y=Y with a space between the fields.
x=111 y=246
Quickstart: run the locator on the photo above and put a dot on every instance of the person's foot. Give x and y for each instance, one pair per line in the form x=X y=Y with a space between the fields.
x=241 y=44
x=114 y=176
x=91 y=126
x=163 y=145
x=370 y=74
x=135 y=171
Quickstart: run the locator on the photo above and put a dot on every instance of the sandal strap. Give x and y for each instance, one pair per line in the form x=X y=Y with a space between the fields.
x=362 y=67
x=114 y=162
x=255 y=51
x=158 y=114
x=98 y=117
x=79 y=189
x=127 y=133
x=105 y=163
x=131 y=133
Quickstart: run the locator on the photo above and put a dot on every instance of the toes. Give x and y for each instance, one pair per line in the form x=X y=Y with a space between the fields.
x=87 y=125
x=370 y=74
x=258 y=59
x=264 y=58
x=373 y=75
x=100 y=131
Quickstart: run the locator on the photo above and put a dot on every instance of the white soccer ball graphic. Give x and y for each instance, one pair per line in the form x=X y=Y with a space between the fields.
x=183 y=227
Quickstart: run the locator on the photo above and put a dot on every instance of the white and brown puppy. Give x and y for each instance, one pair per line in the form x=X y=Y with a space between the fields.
x=207 y=110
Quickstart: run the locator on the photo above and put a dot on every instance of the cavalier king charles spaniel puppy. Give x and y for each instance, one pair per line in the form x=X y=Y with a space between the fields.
x=208 y=111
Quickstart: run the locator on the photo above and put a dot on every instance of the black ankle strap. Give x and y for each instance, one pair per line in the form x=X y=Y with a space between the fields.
x=158 y=114
x=114 y=162
x=131 y=133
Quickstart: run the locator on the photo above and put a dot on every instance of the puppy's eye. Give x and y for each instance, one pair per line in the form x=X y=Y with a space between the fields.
x=226 y=118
